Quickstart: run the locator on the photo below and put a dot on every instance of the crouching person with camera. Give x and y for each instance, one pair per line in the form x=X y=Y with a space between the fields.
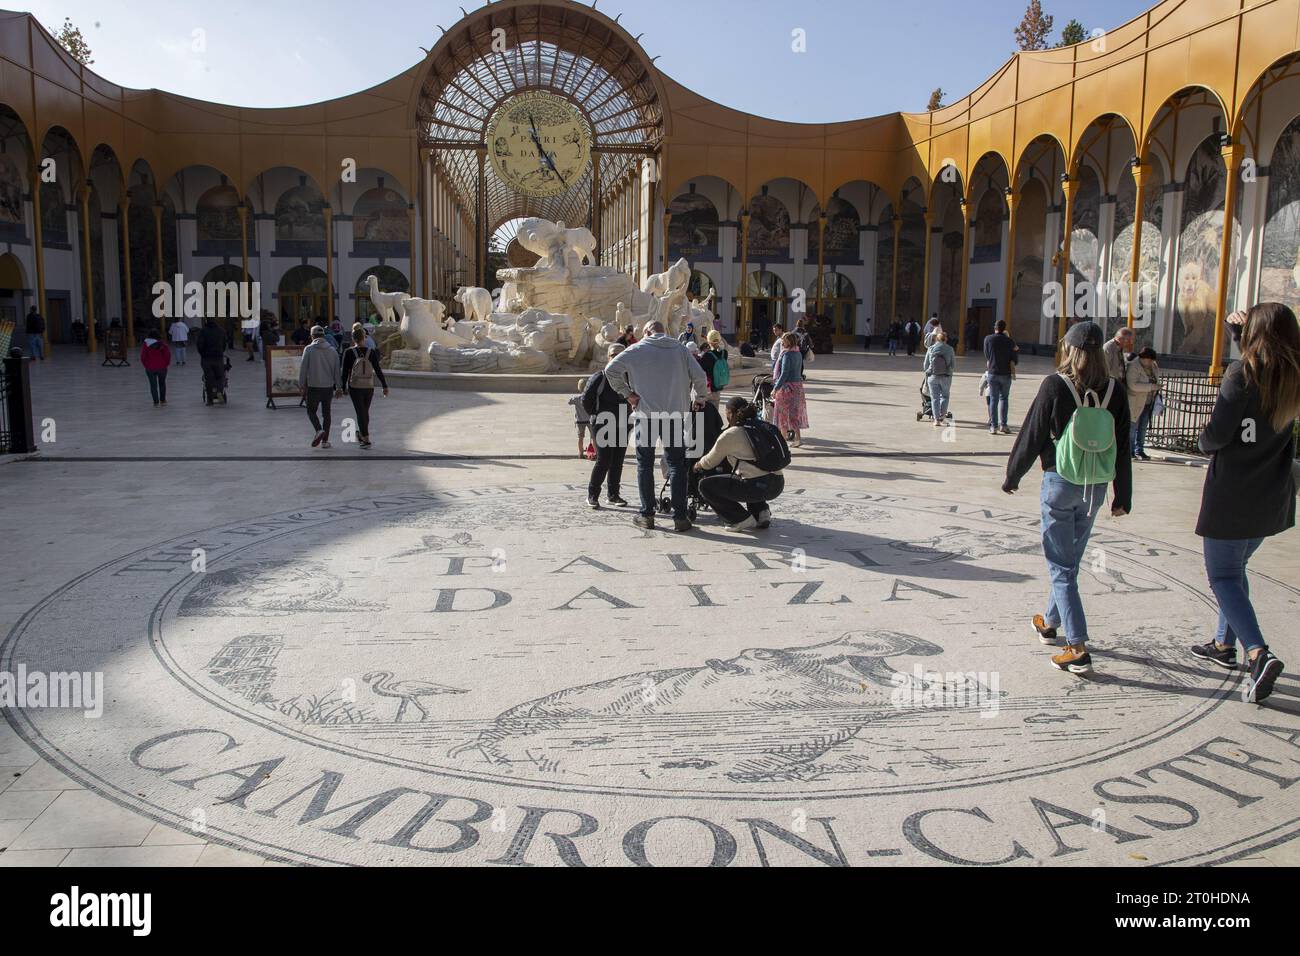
x=754 y=452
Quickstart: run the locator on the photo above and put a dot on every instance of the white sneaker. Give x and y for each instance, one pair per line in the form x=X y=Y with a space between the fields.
x=749 y=524
x=325 y=444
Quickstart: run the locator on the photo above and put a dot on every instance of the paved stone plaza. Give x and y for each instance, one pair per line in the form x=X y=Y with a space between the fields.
x=434 y=652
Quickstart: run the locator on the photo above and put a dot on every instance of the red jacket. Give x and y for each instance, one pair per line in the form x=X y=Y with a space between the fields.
x=156 y=357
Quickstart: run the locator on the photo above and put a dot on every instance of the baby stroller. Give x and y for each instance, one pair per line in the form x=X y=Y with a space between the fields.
x=215 y=383
x=763 y=396
x=927 y=406
x=713 y=427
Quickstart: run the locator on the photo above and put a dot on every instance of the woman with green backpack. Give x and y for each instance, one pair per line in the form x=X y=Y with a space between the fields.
x=1078 y=430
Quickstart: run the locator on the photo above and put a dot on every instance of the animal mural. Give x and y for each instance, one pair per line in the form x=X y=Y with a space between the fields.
x=766 y=714
x=407 y=693
x=955 y=542
x=275 y=588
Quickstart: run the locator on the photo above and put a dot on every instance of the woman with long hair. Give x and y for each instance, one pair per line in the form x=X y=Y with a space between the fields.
x=790 y=407
x=1070 y=509
x=1250 y=485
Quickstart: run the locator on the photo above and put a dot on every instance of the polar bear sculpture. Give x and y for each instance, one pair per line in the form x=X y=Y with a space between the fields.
x=422 y=323
x=476 y=303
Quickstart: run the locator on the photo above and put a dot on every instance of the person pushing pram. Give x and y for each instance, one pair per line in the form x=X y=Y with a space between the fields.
x=703 y=429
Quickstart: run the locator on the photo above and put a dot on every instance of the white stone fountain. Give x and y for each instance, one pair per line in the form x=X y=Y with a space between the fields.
x=555 y=317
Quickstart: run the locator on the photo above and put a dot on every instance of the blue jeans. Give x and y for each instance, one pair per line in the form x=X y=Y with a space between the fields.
x=1225 y=563
x=1069 y=511
x=940 y=386
x=36 y=346
x=999 y=398
x=893 y=346
x=646 y=477
x=1138 y=430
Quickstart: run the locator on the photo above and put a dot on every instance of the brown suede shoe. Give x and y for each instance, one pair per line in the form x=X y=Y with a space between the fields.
x=1075 y=659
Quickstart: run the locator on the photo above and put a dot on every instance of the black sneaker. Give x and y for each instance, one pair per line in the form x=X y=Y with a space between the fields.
x=645 y=522
x=764 y=519
x=682 y=524
x=1264 y=672
x=1045 y=634
x=1224 y=657
x=593 y=502
x=617 y=502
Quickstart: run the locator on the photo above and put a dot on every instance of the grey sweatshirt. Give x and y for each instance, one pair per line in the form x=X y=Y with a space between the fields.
x=662 y=372
x=320 y=366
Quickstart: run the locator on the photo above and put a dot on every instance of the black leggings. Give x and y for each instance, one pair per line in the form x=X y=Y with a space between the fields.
x=608 y=467
x=733 y=499
x=361 y=399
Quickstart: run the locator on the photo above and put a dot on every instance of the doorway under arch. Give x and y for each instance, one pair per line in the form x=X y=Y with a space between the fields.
x=12 y=284
x=761 y=308
x=303 y=294
x=839 y=301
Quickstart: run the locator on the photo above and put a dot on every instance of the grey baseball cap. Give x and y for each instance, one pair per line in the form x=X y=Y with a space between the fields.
x=1085 y=335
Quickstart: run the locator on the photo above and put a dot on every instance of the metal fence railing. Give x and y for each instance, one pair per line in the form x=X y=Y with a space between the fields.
x=16 y=435
x=1187 y=401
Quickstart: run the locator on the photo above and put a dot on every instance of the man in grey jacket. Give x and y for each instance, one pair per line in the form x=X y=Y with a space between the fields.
x=318 y=377
x=657 y=377
x=1117 y=351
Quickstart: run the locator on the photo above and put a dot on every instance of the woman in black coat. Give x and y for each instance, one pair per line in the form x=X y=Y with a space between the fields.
x=1250 y=485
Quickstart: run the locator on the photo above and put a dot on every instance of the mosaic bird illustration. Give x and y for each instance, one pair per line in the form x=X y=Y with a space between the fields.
x=407 y=692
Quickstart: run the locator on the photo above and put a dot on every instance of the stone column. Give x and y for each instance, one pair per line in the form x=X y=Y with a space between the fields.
x=1232 y=156
x=124 y=213
x=328 y=213
x=1013 y=200
x=893 y=291
x=821 y=257
x=1070 y=187
x=742 y=324
x=925 y=273
x=38 y=248
x=1135 y=258
x=968 y=212
x=83 y=195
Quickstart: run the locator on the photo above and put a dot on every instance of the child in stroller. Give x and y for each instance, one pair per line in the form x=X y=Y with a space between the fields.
x=763 y=396
x=927 y=407
x=711 y=420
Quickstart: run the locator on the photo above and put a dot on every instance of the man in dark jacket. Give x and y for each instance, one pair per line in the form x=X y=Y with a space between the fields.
x=609 y=417
x=1000 y=355
x=35 y=334
x=912 y=334
x=211 y=347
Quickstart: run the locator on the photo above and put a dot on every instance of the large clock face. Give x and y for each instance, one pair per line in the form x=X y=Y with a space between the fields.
x=539 y=144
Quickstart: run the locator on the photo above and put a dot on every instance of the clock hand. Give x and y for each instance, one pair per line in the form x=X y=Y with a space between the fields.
x=546 y=157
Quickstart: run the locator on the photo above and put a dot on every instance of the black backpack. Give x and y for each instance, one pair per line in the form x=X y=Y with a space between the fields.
x=591 y=394
x=771 y=453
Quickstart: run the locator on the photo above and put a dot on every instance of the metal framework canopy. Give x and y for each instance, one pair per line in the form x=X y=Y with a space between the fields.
x=563 y=48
